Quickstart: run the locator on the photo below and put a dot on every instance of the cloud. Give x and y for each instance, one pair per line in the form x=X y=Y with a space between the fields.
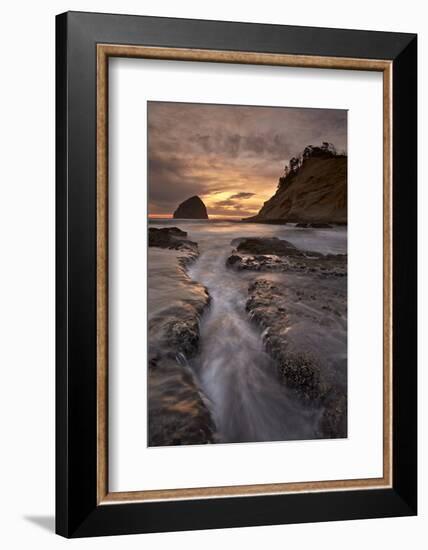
x=226 y=202
x=242 y=195
x=228 y=154
x=170 y=182
x=232 y=145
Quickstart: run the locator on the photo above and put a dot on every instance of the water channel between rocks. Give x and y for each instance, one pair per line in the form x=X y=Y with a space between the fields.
x=232 y=367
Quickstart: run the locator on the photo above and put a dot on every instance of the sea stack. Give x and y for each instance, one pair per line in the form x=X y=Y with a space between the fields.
x=191 y=209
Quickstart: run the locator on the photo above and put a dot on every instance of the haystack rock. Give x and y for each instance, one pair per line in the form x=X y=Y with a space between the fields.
x=191 y=209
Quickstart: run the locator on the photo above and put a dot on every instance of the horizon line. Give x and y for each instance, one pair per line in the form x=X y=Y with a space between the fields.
x=211 y=216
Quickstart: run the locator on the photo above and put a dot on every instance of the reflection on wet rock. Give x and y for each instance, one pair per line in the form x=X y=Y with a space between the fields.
x=178 y=414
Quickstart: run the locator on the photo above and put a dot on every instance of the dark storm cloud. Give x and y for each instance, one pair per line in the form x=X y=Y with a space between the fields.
x=228 y=154
x=242 y=195
x=233 y=145
x=173 y=173
x=226 y=202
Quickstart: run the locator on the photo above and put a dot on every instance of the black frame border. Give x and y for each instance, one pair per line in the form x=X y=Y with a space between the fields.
x=77 y=512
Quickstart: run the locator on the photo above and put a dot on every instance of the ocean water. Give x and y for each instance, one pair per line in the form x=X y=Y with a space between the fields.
x=236 y=375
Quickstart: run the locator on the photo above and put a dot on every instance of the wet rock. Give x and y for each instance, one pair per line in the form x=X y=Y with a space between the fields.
x=334 y=419
x=178 y=411
x=299 y=369
x=282 y=311
x=172 y=238
x=234 y=259
x=314 y=225
x=271 y=246
x=266 y=221
x=278 y=255
x=175 y=331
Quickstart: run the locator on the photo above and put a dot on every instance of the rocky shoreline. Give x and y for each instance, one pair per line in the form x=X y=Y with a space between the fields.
x=178 y=411
x=256 y=254
x=280 y=310
x=296 y=297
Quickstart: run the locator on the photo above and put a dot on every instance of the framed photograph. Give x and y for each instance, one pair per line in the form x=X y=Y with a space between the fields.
x=236 y=274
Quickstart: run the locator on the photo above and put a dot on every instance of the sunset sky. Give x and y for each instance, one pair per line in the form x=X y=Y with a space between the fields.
x=230 y=156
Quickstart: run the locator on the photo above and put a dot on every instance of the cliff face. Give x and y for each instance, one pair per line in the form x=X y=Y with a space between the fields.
x=191 y=209
x=315 y=193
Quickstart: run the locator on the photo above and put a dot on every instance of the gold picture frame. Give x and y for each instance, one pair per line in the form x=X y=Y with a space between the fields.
x=106 y=51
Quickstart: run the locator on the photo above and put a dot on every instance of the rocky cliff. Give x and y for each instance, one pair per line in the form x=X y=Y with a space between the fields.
x=315 y=192
x=191 y=209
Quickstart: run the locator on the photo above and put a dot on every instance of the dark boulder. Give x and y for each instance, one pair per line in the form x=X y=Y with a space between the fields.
x=272 y=254
x=273 y=246
x=314 y=225
x=171 y=237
